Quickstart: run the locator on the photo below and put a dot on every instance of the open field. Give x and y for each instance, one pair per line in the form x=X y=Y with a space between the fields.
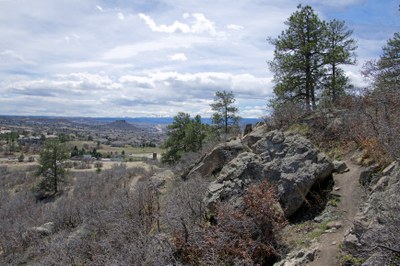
x=109 y=165
x=129 y=150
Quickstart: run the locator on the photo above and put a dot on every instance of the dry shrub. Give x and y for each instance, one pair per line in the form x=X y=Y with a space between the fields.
x=285 y=114
x=102 y=220
x=245 y=236
x=374 y=150
x=373 y=122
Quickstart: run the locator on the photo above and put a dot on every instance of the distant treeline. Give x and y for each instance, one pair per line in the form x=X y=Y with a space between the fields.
x=131 y=120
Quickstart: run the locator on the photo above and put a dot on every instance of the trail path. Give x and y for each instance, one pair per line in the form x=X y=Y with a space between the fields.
x=351 y=195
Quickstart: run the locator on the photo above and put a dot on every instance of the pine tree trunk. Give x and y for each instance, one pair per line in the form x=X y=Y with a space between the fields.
x=333 y=85
x=308 y=83
x=55 y=170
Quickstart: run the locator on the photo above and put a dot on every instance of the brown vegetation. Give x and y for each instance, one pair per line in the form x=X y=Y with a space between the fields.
x=101 y=220
x=245 y=236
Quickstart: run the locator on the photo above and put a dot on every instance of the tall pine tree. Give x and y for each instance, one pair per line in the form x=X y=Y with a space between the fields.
x=299 y=57
x=225 y=113
x=385 y=72
x=340 y=49
x=307 y=59
x=52 y=156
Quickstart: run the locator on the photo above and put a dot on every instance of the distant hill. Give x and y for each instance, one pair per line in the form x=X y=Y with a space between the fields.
x=120 y=125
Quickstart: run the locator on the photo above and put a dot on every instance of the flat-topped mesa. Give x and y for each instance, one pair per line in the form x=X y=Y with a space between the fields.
x=284 y=158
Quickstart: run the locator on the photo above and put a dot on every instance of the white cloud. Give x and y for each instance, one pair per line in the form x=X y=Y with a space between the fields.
x=355 y=77
x=200 y=24
x=71 y=37
x=176 y=26
x=140 y=81
x=87 y=64
x=91 y=80
x=178 y=57
x=120 y=16
x=338 y=3
x=234 y=27
x=129 y=68
x=127 y=51
x=257 y=111
x=10 y=56
x=196 y=84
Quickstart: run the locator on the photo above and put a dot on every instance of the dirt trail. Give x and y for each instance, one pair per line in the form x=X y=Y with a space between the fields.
x=351 y=195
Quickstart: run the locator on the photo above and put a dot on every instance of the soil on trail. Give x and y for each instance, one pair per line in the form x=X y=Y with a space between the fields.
x=351 y=195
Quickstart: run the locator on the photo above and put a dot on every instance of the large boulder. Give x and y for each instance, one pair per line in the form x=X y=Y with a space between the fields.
x=289 y=160
x=213 y=162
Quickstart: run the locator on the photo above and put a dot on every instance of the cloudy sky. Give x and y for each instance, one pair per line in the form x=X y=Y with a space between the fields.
x=158 y=57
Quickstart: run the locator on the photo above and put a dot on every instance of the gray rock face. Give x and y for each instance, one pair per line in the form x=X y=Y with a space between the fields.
x=248 y=129
x=287 y=159
x=220 y=155
x=375 y=227
x=299 y=258
x=366 y=177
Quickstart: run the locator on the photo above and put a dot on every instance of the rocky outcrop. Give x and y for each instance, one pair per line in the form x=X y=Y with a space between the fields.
x=374 y=236
x=212 y=163
x=248 y=129
x=286 y=159
x=299 y=257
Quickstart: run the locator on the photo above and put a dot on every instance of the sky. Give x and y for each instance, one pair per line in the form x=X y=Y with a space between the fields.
x=139 y=58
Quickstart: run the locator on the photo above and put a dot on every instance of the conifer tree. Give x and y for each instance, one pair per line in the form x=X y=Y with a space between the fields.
x=184 y=135
x=51 y=166
x=307 y=59
x=385 y=72
x=299 y=57
x=340 y=49
x=225 y=114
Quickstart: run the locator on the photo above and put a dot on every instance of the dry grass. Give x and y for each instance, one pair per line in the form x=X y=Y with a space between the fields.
x=108 y=148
